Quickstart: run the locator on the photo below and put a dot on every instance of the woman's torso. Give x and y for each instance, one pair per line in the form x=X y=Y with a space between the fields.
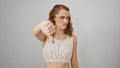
x=57 y=65
x=58 y=54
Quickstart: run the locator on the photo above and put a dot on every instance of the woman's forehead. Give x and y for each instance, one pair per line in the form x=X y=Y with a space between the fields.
x=63 y=13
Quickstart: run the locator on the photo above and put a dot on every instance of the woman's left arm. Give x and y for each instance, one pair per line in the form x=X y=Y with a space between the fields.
x=74 y=60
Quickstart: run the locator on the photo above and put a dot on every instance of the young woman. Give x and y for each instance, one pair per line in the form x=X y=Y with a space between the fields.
x=59 y=44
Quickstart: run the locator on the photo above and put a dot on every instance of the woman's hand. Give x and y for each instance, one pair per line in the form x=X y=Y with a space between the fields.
x=48 y=28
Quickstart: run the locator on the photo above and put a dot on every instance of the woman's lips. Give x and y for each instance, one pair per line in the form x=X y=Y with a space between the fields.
x=64 y=24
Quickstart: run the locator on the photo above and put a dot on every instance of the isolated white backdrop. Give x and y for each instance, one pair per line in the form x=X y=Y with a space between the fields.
x=96 y=24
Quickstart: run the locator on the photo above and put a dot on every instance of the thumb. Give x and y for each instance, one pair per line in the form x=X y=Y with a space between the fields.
x=51 y=39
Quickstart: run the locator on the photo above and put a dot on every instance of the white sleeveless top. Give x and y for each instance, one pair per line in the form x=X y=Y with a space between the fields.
x=59 y=51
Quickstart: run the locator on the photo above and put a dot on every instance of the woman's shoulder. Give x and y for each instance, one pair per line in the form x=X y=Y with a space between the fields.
x=74 y=37
x=74 y=41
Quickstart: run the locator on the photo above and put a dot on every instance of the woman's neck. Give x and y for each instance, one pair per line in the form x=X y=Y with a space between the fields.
x=59 y=32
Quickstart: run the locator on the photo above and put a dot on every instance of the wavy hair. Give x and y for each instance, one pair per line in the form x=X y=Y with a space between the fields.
x=55 y=10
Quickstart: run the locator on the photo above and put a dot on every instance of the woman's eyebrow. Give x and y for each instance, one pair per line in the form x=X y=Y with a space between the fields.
x=65 y=16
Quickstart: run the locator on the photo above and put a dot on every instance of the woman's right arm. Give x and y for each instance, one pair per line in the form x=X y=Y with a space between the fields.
x=43 y=30
x=39 y=34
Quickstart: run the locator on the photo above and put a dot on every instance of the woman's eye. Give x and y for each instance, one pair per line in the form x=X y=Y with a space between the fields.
x=68 y=18
x=65 y=18
x=62 y=17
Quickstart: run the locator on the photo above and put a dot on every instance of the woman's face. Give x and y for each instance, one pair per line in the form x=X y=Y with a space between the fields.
x=62 y=18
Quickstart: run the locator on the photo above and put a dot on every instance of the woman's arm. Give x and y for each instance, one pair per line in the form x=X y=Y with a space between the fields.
x=43 y=30
x=39 y=34
x=74 y=60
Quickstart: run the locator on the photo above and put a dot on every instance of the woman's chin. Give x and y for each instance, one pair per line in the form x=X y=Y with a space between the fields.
x=63 y=28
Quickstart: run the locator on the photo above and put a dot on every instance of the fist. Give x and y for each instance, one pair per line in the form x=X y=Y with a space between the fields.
x=48 y=28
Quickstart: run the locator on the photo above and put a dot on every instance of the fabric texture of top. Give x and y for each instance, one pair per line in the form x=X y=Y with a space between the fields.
x=59 y=51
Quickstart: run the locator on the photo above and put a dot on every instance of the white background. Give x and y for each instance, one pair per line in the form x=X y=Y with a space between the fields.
x=96 y=24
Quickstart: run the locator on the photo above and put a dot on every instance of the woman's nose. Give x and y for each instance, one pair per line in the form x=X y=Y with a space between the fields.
x=65 y=20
